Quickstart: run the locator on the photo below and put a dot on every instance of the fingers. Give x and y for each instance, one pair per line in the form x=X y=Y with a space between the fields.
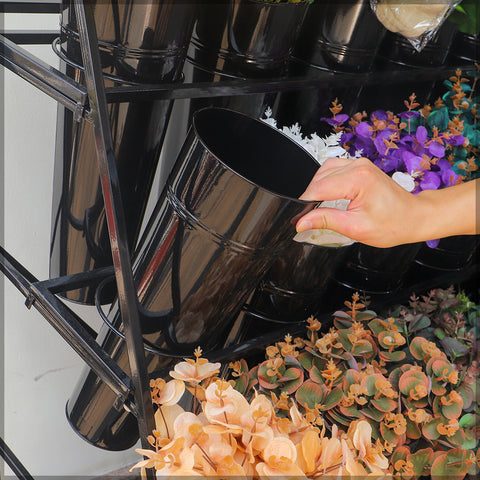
x=339 y=178
x=329 y=218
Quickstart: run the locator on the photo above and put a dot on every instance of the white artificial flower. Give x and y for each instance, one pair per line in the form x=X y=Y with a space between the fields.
x=268 y=118
x=405 y=180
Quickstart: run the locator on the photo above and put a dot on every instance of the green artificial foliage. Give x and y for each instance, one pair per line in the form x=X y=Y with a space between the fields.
x=466 y=17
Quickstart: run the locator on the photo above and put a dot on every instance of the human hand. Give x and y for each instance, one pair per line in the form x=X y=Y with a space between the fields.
x=381 y=213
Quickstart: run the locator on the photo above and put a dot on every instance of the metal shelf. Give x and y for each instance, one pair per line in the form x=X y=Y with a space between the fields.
x=90 y=103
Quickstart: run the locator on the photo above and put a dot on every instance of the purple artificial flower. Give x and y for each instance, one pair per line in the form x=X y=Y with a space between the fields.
x=391 y=164
x=421 y=135
x=379 y=115
x=436 y=150
x=380 y=140
x=345 y=138
x=449 y=177
x=412 y=162
x=433 y=243
x=408 y=115
x=430 y=181
x=363 y=129
x=338 y=120
x=456 y=140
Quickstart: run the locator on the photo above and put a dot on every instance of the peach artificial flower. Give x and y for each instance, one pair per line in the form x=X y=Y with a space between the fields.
x=224 y=405
x=279 y=461
x=166 y=393
x=194 y=371
x=360 y=432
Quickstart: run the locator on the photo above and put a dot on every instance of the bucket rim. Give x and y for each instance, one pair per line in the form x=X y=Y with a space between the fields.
x=263 y=125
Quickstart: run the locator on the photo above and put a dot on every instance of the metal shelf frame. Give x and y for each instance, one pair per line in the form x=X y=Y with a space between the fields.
x=89 y=103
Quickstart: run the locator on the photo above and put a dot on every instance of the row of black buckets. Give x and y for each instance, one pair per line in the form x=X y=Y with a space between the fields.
x=220 y=235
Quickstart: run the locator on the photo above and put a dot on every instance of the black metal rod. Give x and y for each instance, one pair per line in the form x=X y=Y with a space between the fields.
x=43 y=76
x=13 y=462
x=68 y=325
x=30 y=37
x=116 y=219
x=319 y=80
x=30 y=6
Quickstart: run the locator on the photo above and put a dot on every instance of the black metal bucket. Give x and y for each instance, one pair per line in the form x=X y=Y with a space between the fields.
x=137 y=45
x=243 y=39
x=397 y=53
x=465 y=48
x=336 y=37
x=225 y=214
x=295 y=285
x=376 y=270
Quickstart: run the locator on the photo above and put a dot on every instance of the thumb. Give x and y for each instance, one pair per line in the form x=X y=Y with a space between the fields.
x=324 y=218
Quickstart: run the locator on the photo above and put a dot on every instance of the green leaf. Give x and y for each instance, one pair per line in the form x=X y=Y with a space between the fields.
x=429 y=429
x=439 y=333
x=310 y=394
x=413 y=430
x=416 y=347
x=376 y=326
x=365 y=315
x=453 y=347
x=373 y=413
x=305 y=359
x=468 y=395
x=419 y=323
x=421 y=461
x=439 y=118
x=453 y=464
x=411 y=379
x=291 y=379
x=316 y=375
x=333 y=398
x=468 y=420
x=362 y=347
x=384 y=404
x=392 y=356
x=291 y=361
x=452 y=411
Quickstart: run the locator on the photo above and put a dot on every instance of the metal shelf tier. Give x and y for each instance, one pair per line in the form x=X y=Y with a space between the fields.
x=90 y=103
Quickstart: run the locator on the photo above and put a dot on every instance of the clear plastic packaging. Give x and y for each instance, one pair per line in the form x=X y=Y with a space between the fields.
x=417 y=21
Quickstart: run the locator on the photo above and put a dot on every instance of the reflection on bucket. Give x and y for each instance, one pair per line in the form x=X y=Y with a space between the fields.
x=137 y=45
x=336 y=37
x=376 y=270
x=226 y=212
x=243 y=39
x=295 y=285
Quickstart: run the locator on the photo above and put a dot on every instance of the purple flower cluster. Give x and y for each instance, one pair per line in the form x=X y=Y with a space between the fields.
x=400 y=144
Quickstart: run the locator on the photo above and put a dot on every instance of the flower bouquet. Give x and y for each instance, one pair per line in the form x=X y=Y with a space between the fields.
x=372 y=396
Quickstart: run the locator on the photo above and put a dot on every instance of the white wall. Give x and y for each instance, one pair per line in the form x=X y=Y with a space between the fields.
x=39 y=369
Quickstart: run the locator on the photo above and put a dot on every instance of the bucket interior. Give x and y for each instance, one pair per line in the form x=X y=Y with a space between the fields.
x=256 y=151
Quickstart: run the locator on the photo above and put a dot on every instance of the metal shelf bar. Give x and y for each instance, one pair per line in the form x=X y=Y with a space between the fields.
x=73 y=330
x=30 y=6
x=320 y=80
x=30 y=37
x=126 y=291
x=13 y=462
x=46 y=78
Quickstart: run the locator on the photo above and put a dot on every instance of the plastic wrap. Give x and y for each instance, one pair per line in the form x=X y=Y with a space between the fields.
x=417 y=21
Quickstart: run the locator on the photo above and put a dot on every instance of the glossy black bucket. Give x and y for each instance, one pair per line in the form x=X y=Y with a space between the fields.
x=465 y=48
x=397 y=53
x=374 y=270
x=137 y=45
x=336 y=37
x=227 y=211
x=451 y=253
x=294 y=287
x=243 y=39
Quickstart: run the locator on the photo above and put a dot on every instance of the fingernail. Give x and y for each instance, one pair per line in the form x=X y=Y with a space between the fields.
x=303 y=225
